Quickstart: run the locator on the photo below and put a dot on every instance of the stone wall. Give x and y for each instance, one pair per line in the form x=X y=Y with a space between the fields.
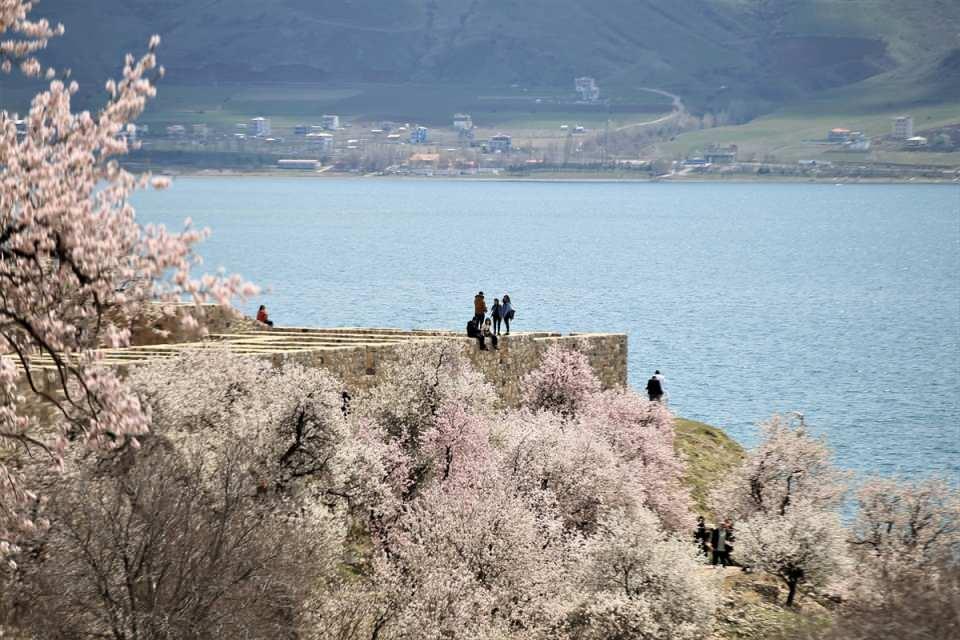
x=519 y=355
x=361 y=366
x=358 y=356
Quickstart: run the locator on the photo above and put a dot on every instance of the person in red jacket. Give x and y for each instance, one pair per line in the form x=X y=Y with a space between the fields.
x=262 y=316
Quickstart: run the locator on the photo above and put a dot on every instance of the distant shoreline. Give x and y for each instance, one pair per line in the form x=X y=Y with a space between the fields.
x=740 y=179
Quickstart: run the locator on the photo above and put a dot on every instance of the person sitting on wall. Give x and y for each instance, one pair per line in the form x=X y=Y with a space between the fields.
x=488 y=333
x=474 y=331
x=262 y=316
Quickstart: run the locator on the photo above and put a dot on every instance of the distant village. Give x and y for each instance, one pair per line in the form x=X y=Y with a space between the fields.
x=340 y=143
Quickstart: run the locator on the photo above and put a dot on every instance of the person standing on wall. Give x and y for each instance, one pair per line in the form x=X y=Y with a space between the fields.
x=496 y=312
x=507 y=312
x=479 y=309
x=654 y=388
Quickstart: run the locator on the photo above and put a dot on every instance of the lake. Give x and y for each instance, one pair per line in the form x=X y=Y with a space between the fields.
x=842 y=302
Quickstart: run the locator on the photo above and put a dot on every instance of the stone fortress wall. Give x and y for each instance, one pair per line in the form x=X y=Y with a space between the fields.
x=360 y=363
x=358 y=356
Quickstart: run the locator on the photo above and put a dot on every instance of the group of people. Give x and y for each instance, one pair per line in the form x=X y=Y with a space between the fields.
x=483 y=328
x=715 y=543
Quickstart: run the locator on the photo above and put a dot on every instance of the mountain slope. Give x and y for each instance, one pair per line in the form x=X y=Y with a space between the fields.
x=767 y=50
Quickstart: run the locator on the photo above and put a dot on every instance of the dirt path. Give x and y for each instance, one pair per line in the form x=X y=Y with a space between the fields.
x=678 y=109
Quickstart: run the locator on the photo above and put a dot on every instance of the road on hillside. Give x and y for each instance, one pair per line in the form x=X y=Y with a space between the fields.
x=678 y=109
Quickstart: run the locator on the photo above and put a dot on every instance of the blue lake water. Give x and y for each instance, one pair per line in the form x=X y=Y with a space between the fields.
x=842 y=302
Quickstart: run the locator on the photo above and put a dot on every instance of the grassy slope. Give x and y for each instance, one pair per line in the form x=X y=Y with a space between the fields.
x=709 y=452
x=751 y=604
x=693 y=46
x=426 y=104
x=409 y=60
x=783 y=133
x=918 y=36
x=537 y=42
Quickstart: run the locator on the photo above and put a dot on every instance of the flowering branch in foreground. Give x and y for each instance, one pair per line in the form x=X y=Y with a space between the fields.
x=75 y=266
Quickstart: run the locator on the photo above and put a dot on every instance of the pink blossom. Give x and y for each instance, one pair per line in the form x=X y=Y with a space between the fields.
x=562 y=383
x=75 y=265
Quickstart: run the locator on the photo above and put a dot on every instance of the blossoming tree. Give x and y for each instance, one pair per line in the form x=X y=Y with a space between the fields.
x=641 y=583
x=788 y=465
x=75 y=265
x=803 y=545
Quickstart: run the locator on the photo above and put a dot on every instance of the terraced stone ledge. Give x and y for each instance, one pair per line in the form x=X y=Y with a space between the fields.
x=357 y=355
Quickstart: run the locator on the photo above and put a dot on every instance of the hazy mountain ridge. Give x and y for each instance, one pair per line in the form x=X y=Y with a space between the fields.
x=757 y=49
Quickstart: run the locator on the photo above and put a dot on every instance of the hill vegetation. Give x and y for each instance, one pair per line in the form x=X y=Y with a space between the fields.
x=745 y=55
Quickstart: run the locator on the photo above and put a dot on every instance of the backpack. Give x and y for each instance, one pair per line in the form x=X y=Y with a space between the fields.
x=472 y=329
x=510 y=314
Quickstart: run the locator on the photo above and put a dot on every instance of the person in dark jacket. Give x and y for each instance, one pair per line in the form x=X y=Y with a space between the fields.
x=701 y=536
x=496 y=312
x=479 y=309
x=654 y=389
x=721 y=543
x=475 y=330
x=506 y=312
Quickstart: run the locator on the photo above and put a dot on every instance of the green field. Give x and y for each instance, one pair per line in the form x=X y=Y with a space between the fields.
x=787 y=134
x=493 y=109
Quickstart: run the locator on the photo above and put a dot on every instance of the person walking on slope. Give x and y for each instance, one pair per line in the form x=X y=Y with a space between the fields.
x=507 y=312
x=702 y=537
x=496 y=312
x=721 y=543
x=654 y=388
x=663 y=384
x=479 y=309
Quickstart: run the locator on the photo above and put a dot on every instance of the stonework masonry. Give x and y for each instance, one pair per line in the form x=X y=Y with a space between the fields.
x=357 y=356
x=361 y=366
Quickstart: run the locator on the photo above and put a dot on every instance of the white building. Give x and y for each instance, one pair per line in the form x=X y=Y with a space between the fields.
x=330 y=122
x=462 y=122
x=323 y=141
x=298 y=163
x=501 y=143
x=903 y=127
x=260 y=127
x=587 y=89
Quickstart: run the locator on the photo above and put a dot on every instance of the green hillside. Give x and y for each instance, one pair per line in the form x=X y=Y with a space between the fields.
x=713 y=52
